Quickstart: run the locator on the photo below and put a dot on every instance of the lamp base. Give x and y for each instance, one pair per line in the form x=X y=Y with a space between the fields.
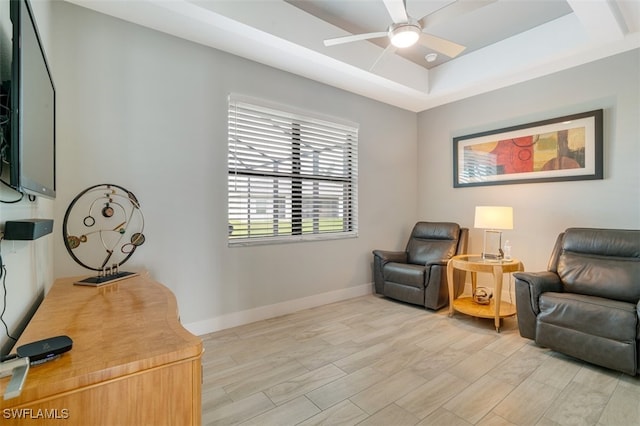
x=492 y=247
x=493 y=257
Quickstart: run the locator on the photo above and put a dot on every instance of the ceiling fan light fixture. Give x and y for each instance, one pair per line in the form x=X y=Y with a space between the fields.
x=404 y=35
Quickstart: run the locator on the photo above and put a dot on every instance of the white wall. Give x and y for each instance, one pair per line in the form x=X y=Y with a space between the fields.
x=541 y=210
x=147 y=111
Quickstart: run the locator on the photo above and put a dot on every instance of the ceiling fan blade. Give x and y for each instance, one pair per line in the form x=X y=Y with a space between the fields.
x=441 y=45
x=355 y=37
x=452 y=11
x=389 y=49
x=397 y=11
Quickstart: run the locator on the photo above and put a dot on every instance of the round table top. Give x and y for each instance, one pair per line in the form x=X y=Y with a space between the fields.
x=477 y=263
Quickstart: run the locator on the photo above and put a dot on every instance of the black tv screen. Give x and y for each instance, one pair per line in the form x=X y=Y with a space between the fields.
x=32 y=98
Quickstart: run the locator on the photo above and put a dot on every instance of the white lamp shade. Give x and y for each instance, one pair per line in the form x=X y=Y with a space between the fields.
x=494 y=217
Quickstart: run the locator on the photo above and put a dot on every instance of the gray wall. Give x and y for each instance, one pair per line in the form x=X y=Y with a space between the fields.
x=148 y=111
x=541 y=210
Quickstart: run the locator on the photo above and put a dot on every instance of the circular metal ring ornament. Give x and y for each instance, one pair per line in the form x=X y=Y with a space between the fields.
x=103 y=226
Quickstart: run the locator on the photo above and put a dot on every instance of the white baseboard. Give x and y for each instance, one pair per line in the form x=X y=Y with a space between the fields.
x=235 y=319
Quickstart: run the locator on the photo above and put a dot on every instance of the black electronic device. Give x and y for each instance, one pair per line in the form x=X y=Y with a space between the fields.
x=32 y=135
x=45 y=349
x=27 y=229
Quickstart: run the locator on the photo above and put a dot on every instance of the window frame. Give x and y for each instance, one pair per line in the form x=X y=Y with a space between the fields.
x=296 y=199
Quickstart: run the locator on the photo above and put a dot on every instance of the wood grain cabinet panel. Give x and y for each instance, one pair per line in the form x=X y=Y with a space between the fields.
x=132 y=362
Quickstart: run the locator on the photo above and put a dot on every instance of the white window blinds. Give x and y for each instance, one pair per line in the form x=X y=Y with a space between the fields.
x=291 y=176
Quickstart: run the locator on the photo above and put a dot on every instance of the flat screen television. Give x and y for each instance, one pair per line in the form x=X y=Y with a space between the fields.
x=32 y=98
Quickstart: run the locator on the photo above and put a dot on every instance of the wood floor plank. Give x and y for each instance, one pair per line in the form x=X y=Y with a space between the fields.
x=391 y=415
x=238 y=411
x=363 y=358
x=622 y=409
x=577 y=401
x=292 y=412
x=344 y=414
x=432 y=395
x=539 y=398
x=301 y=384
x=444 y=417
x=264 y=380
x=387 y=391
x=478 y=399
x=345 y=387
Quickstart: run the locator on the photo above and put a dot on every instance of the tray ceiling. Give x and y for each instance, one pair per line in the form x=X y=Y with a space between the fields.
x=507 y=41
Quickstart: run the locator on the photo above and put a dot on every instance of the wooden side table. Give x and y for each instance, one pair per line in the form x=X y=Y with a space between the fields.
x=474 y=263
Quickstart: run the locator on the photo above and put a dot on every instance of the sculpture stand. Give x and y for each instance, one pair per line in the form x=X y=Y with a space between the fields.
x=106 y=276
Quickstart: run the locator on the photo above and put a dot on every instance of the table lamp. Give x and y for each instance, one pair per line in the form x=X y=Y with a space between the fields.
x=492 y=219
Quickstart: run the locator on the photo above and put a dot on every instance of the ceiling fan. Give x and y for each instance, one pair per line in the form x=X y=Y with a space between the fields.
x=406 y=31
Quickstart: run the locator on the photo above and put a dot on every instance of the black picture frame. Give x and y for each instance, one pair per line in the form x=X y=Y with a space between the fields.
x=564 y=148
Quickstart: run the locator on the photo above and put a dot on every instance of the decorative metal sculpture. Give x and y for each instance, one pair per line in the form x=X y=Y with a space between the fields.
x=102 y=228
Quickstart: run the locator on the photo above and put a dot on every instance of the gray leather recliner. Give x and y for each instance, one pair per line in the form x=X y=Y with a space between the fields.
x=587 y=303
x=418 y=275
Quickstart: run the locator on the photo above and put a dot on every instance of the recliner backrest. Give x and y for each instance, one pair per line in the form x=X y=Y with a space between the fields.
x=432 y=242
x=601 y=262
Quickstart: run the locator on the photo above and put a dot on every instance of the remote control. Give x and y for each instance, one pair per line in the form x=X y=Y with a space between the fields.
x=46 y=349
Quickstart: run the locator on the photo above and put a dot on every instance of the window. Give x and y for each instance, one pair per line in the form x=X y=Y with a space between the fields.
x=291 y=176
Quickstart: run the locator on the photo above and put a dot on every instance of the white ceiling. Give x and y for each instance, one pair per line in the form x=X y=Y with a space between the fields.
x=508 y=41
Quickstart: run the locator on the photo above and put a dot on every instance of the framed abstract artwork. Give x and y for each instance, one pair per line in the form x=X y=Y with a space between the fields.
x=559 y=149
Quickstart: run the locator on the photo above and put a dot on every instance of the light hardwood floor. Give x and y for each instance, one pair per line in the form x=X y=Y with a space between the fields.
x=374 y=361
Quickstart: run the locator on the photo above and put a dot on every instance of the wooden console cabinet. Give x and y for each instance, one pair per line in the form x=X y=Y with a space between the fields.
x=132 y=362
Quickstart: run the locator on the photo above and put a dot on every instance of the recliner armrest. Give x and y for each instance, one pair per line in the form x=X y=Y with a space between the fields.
x=391 y=256
x=381 y=258
x=538 y=283
x=528 y=287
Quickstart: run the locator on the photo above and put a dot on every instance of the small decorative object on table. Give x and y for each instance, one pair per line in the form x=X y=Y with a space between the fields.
x=103 y=218
x=482 y=295
x=507 y=250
